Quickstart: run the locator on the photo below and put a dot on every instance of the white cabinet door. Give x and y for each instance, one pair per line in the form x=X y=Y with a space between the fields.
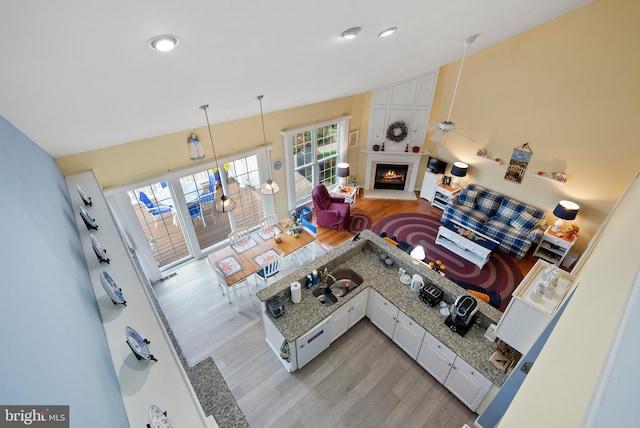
x=467 y=384
x=339 y=323
x=384 y=315
x=408 y=335
x=435 y=358
x=429 y=183
x=358 y=307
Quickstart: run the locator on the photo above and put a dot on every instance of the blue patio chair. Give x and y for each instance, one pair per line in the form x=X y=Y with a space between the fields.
x=154 y=209
x=195 y=210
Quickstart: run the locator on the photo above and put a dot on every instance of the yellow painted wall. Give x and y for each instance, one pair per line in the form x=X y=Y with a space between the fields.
x=567 y=87
x=570 y=89
x=139 y=160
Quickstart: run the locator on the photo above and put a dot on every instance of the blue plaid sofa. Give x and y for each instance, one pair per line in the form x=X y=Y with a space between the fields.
x=515 y=225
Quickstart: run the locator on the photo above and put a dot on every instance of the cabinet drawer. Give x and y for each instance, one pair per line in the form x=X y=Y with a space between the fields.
x=556 y=241
x=440 y=346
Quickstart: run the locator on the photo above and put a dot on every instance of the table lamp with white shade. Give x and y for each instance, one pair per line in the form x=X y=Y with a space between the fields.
x=565 y=210
x=458 y=170
x=418 y=254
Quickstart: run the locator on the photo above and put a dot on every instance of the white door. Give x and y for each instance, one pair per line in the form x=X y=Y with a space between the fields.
x=408 y=335
x=435 y=358
x=384 y=316
x=467 y=384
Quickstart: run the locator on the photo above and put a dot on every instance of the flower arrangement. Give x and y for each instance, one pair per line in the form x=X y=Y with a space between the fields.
x=572 y=231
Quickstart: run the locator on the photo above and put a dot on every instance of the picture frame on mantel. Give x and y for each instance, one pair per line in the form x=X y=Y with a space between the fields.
x=353 y=139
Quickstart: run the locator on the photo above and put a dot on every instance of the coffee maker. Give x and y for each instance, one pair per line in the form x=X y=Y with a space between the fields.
x=461 y=317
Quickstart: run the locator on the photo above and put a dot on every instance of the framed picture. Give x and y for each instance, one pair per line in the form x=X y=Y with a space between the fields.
x=353 y=139
x=446 y=180
x=518 y=164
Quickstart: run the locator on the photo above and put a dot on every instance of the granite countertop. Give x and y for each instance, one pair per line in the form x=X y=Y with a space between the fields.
x=474 y=348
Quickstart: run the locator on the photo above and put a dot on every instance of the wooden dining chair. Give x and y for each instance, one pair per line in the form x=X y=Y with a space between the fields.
x=270 y=271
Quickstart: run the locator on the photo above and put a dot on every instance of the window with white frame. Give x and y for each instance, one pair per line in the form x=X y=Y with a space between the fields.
x=311 y=155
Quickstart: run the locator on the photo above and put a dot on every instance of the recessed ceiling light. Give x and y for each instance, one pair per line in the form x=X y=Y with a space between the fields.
x=350 y=33
x=388 y=32
x=163 y=43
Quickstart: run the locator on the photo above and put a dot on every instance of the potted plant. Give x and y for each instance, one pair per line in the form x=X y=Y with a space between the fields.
x=353 y=180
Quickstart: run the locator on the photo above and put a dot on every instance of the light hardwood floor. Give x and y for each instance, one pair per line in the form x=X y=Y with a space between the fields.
x=363 y=379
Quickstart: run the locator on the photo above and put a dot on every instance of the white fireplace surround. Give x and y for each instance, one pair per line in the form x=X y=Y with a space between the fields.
x=393 y=158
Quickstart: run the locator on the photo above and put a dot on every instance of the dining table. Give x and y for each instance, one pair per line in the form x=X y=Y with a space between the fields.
x=240 y=260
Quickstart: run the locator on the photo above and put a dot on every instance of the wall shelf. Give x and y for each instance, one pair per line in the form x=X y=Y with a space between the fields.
x=488 y=159
x=549 y=177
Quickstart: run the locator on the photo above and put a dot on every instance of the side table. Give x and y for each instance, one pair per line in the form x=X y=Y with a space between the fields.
x=348 y=193
x=442 y=195
x=554 y=246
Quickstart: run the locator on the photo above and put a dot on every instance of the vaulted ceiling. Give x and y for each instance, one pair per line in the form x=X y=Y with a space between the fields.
x=78 y=75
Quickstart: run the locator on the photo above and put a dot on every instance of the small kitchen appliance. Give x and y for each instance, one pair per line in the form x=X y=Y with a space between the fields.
x=276 y=306
x=462 y=313
x=430 y=294
x=417 y=282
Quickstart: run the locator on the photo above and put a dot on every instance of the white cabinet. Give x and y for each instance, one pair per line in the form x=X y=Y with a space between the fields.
x=467 y=384
x=528 y=314
x=348 y=315
x=435 y=358
x=429 y=183
x=405 y=332
x=384 y=314
x=453 y=372
x=408 y=335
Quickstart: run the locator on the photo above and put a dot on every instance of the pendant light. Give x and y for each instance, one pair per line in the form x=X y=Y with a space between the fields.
x=269 y=187
x=224 y=204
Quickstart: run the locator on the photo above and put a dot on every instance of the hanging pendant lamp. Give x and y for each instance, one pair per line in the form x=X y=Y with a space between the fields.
x=224 y=204
x=269 y=187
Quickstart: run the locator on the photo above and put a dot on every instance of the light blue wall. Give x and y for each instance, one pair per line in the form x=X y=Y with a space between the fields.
x=52 y=344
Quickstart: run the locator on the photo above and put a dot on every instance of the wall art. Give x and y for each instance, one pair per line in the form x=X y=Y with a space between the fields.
x=518 y=163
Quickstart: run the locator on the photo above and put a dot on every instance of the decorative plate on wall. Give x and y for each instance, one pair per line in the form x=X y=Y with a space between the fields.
x=100 y=252
x=277 y=164
x=138 y=345
x=158 y=418
x=111 y=288
x=86 y=199
x=88 y=221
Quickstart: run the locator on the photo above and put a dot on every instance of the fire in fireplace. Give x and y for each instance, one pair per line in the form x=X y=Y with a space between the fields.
x=390 y=176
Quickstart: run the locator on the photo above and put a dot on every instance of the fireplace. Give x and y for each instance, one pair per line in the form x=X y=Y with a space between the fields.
x=410 y=160
x=390 y=176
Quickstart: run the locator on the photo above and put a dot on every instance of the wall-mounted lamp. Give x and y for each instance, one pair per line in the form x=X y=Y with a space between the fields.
x=224 y=204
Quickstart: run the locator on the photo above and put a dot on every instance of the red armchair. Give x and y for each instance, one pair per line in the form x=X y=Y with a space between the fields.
x=331 y=211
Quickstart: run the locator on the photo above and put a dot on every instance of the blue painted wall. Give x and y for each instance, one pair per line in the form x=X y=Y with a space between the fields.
x=53 y=347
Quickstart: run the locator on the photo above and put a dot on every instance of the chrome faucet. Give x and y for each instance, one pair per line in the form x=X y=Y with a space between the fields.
x=332 y=277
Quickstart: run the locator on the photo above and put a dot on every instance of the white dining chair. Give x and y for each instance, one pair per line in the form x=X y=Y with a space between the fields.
x=270 y=271
x=222 y=281
x=238 y=235
x=268 y=221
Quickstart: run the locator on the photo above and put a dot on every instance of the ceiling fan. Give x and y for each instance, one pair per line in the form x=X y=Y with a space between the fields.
x=443 y=127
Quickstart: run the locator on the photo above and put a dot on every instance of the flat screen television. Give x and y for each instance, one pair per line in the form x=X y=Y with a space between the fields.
x=436 y=166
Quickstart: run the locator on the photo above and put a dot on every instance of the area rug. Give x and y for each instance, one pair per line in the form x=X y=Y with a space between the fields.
x=500 y=274
x=389 y=194
x=359 y=222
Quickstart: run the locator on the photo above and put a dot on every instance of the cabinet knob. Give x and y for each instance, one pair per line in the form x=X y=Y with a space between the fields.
x=454 y=367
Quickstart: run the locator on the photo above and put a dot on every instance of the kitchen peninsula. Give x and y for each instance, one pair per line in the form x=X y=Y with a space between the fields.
x=382 y=284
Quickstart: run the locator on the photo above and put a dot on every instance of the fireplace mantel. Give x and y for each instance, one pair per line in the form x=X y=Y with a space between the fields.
x=393 y=157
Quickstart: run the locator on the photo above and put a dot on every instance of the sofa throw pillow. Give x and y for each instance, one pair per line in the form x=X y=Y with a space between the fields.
x=524 y=222
x=509 y=210
x=467 y=198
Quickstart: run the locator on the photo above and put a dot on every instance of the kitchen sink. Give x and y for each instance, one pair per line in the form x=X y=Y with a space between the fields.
x=323 y=298
x=343 y=281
